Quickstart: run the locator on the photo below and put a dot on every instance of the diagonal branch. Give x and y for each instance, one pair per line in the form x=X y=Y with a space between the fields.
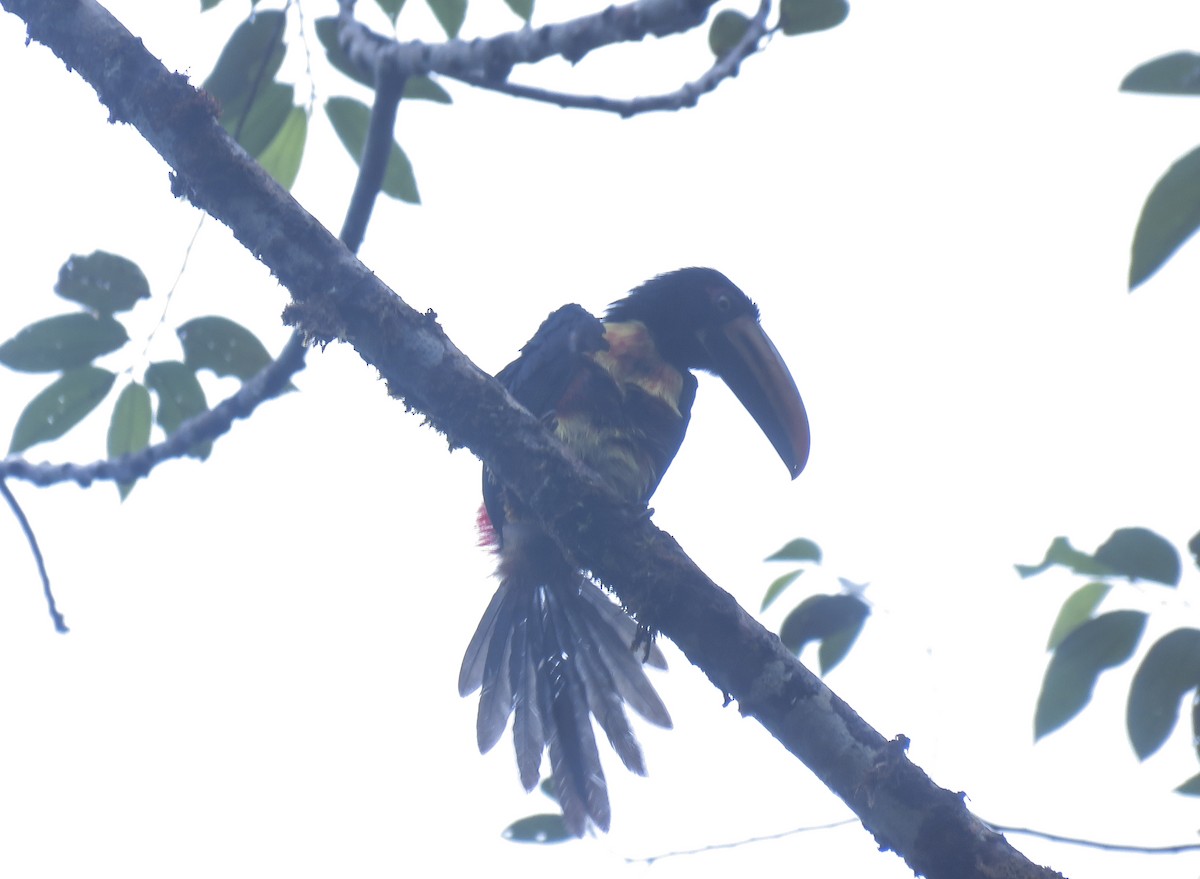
x=336 y=297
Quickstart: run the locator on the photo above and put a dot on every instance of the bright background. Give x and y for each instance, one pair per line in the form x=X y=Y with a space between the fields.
x=933 y=206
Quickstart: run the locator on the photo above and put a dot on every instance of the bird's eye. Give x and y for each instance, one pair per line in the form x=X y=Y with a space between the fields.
x=724 y=303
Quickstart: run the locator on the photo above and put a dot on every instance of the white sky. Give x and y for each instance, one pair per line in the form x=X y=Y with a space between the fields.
x=932 y=205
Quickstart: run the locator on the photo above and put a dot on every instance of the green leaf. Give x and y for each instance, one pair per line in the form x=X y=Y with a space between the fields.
x=422 y=88
x=807 y=16
x=836 y=645
x=1170 y=217
x=777 y=587
x=264 y=119
x=64 y=342
x=61 y=406
x=327 y=34
x=1076 y=610
x=180 y=397
x=1194 y=548
x=450 y=14
x=728 y=26
x=1170 y=669
x=245 y=69
x=523 y=8
x=1062 y=553
x=350 y=120
x=129 y=429
x=1099 y=644
x=225 y=347
x=1190 y=787
x=820 y=617
x=799 y=550
x=391 y=8
x=103 y=282
x=1140 y=554
x=281 y=158
x=542 y=829
x=1174 y=74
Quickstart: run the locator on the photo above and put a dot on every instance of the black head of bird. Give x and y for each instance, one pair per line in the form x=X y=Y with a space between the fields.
x=700 y=320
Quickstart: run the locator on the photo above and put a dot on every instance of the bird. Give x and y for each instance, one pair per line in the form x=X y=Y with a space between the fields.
x=552 y=650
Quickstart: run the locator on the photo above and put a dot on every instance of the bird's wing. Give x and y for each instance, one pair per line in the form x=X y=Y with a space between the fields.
x=539 y=378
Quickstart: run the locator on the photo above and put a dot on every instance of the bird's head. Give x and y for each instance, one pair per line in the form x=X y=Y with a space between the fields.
x=699 y=319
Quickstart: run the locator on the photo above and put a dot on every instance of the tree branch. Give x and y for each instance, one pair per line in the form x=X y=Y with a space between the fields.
x=492 y=59
x=687 y=95
x=336 y=297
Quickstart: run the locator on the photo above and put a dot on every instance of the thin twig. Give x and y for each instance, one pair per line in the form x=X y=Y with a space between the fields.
x=1093 y=843
x=60 y=624
x=739 y=843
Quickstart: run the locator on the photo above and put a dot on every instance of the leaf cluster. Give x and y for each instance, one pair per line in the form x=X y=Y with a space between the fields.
x=106 y=285
x=1084 y=644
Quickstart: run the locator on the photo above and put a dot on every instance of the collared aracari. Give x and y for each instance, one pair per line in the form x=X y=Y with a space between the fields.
x=552 y=649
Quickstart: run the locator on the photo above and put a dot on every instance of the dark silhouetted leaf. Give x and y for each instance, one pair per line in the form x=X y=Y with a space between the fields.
x=776 y=588
x=1170 y=217
x=61 y=406
x=542 y=829
x=836 y=645
x=1194 y=548
x=103 y=282
x=807 y=16
x=1076 y=610
x=799 y=550
x=1062 y=553
x=64 y=342
x=281 y=158
x=350 y=119
x=129 y=429
x=523 y=8
x=1099 y=644
x=1140 y=554
x=728 y=26
x=391 y=8
x=245 y=69
x=225 y=347
x=425 y=89
x=1170 y=669
x=327 y=33
x=821 y=617
x=180 y=397
x=450 y=14
x=1174 y=74
x=206 y=5
x=1190 y=787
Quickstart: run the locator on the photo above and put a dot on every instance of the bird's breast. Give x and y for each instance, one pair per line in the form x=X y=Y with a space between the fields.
x=621 y=415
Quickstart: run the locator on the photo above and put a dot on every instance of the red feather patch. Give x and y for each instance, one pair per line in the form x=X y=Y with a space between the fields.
x=488 y=538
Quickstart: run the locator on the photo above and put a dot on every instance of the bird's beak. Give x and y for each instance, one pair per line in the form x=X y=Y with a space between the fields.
x=746 y=359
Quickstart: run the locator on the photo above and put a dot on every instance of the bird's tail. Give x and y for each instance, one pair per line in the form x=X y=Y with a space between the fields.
x=554 y=654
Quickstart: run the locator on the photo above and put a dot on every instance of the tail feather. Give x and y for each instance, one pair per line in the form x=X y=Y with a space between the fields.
x=496 y=691
x=553 y=655
x=574 y=758
x=529 y=737
x=470 y=675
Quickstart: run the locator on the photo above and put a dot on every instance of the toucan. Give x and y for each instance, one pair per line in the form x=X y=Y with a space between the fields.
x=552 y=649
